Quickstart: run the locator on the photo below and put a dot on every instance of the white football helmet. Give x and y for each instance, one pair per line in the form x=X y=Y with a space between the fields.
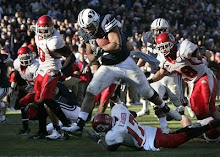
x=88 y=17
x=161 y=25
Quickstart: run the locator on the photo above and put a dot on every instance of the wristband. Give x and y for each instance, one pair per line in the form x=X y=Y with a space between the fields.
x=99 y=141
x=150 y=81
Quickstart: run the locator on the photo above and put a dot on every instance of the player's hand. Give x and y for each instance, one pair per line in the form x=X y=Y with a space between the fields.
x=93 y=135
x=97 y=51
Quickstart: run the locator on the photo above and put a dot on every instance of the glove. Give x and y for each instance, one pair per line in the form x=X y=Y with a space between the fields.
x=54 y=73
x=93 y=135
x=97 y=51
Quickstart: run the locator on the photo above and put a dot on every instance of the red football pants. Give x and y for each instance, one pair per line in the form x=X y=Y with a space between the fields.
x=44 y=86
x=169 y=140
x=202 y=100
x=106 y=94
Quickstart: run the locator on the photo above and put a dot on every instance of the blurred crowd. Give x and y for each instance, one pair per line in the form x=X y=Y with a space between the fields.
x=197 y=20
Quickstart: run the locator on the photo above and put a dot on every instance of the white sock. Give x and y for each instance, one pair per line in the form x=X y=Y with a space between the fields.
x=163 y=122
x=145 y=104
x=84 y=115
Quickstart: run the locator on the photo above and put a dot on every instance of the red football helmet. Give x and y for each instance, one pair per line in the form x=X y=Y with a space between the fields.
x=45 y=26
x=165 y=42
x=102 y=122
x=25 y=56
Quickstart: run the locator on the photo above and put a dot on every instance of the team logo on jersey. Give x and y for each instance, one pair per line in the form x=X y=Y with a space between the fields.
x=203 y=81
x=123 y=118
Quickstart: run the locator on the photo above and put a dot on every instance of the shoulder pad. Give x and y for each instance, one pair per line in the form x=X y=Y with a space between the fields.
x=147 y=37
x=186 y=48
x=55 y=42
x=108 y=23
x=16 y=64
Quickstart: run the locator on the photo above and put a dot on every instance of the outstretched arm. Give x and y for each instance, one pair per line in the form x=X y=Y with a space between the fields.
x=97 y=138
x=158 y=76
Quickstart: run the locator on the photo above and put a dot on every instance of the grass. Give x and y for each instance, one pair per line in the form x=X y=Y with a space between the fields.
x=18 y=145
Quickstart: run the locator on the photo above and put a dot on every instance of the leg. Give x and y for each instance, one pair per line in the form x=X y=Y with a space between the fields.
x=105 y=96
x=182 y=135
x=202 y=99
x=94 y=88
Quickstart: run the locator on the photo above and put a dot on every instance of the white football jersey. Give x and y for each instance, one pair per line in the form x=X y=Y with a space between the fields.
x=188 y=67
x=46 y=47
x=29 y=73
x=128 y=132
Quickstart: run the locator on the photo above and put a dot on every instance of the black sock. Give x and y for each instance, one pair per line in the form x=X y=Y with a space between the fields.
x=25 y=120
x=55 y=107
x=81 y=123
x=165 y=109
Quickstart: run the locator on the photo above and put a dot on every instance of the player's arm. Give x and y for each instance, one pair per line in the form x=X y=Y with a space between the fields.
x=104 y=147
x=97 y=138
x=115 y=41
x=158 y=75
x=70 y=57
x=89 y=53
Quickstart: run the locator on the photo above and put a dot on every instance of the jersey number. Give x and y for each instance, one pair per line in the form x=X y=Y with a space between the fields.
x=41 y=54
x=134 y=132
x=188 y=71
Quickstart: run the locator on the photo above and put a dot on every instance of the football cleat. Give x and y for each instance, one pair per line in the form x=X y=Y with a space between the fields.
x=174 y=114
x=57 y=135
x=143 y=112
x=38 y=136
x=24 y=131
x=74 y=129
x=2 y=119
x=165 y=130
x=179 y=109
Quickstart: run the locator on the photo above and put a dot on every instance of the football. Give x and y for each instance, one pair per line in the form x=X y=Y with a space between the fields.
x=102 y=42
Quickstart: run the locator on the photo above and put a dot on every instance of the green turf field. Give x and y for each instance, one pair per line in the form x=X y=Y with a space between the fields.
x=18 y=145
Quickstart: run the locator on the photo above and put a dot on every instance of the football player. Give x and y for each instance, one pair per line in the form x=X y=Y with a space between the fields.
x=184 y=58
x=121 y=128
x=115 y=64
x=51 y=48
x=27 y=68
x=5 y=89
x=171 y=84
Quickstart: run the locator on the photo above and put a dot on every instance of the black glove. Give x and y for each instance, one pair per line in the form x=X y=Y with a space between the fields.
x=93 y=135
x=97 y=51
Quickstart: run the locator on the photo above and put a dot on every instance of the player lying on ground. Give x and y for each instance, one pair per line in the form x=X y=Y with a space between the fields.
x=121 y=128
